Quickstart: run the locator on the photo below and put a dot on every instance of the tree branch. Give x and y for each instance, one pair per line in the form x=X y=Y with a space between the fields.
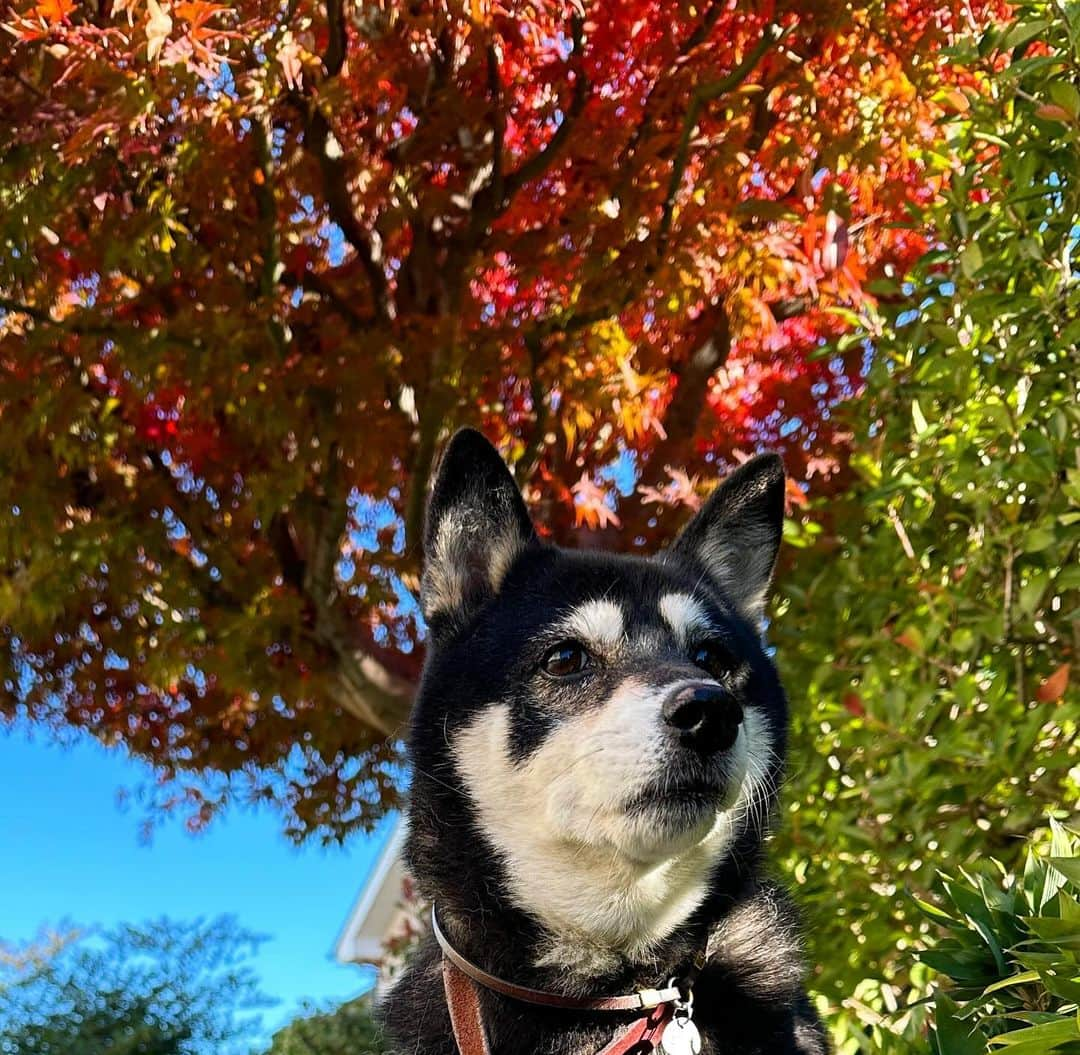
x=264 y=200
x=266 y=204
x=498 y=123
x=324 y=147
x=542 y=160
x=645 y=122
x=493 y=198
x=361 y=684
x=431 y=419
x=684 y=412
x=74 y=325
x=703 y=94
x=530 y=457
x=15 y=307
x=316 y=283
x=337 y=42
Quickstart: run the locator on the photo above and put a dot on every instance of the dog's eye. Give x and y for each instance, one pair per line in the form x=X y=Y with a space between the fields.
x=565 y=659
x=715 y=658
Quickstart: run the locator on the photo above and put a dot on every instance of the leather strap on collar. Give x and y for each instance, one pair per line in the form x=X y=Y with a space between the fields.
x=643 y=1000
x=465 y=1016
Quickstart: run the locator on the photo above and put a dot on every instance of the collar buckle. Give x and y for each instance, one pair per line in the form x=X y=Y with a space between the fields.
x=651 y=998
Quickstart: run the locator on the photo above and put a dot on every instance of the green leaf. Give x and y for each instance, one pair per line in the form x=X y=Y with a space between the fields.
x=971 y=259
x=954 y=1036
x=1023 y=33
x=1068 y=867
x=937 y=914
x=1038 y=539
x=1037 y=1039
x=918 y=418
x=1065 y=95
x=1017 y=979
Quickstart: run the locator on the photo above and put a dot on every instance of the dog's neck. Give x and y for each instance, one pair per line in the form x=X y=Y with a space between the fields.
x=487 y=928
x=748 y=933
x=513 y=947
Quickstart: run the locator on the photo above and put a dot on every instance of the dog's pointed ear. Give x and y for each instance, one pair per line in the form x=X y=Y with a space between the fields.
x=477 y=525
x=735 y=536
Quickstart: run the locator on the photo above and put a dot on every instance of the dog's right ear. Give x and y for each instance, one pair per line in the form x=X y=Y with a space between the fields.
x=477 y=524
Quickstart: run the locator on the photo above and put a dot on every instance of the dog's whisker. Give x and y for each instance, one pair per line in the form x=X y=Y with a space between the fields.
x=582 y=758
x=441 y=783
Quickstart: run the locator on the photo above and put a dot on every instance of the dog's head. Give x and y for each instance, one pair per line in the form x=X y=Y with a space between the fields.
x=594 y=734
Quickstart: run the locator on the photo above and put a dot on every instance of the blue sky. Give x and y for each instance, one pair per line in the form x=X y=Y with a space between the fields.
x=69 y=852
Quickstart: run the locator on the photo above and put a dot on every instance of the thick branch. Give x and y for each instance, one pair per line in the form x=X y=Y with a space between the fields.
x=15 y=307
x=432 y=414
x=530 y=458
x=334 y=58
x=267 y=206
x=492 y=199
x=316 y=283
x=498 y=123
x=361 y=684
x=542 y=160
x=703 y=94
x=644 y=124
x=687 y=404
x=321 y=143
x=75 y=325
x=442 y=66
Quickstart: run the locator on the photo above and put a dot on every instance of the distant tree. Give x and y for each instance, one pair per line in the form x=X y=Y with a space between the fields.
x=930 y=625
x=344 y=1030
x=258 y=259
x=162 y=988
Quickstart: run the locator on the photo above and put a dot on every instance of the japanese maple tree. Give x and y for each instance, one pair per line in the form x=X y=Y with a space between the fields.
x=257 y=260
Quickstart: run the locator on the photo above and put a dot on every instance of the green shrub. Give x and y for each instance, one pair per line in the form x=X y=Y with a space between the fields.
x=929 y=626
x=1012 y=955
x=348 y=1029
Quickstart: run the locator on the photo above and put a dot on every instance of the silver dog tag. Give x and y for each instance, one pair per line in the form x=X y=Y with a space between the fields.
x=680 y=1037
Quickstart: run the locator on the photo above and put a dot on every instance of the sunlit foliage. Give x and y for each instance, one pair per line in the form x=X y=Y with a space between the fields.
x=256 y=260
x=931 y=624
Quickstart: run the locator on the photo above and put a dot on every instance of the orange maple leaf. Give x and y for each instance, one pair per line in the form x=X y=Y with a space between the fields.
x=590 y=505
x=198 y=12
x=794 y=495
x=53 y=11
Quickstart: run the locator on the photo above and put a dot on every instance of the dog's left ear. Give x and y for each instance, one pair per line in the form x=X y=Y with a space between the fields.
x=735 y=536
x=477 y=524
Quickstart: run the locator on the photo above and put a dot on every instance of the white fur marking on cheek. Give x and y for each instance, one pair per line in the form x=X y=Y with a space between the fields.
x=597 y=622
x=685 y=615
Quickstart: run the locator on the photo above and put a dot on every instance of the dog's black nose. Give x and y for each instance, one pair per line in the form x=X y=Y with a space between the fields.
x=704 y=717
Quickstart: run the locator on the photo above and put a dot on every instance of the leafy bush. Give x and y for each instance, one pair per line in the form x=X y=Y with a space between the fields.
x=928 y=625
x=1012 y=955
x=345 y=1030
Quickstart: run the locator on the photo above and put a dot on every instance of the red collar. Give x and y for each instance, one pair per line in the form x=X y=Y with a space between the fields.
x=658 y=1006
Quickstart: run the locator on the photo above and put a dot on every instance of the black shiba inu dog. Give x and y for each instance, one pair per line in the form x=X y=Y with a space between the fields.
x=596 y=747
